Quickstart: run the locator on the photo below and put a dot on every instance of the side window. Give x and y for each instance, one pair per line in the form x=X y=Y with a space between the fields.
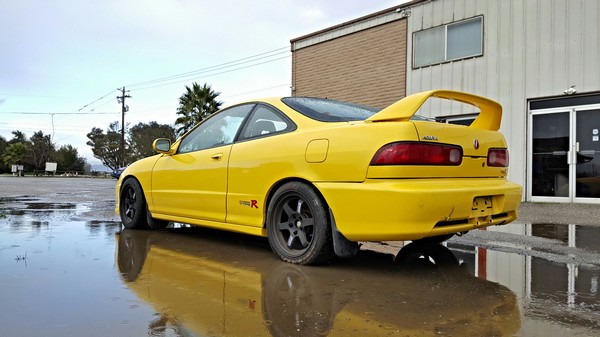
x=219 y=129
x=450 y=42
x=264 y=121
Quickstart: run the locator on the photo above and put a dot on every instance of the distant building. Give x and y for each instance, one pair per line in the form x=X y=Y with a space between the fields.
x=539 y=59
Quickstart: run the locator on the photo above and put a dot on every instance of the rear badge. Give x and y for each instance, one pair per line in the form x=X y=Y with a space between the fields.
x=476 y=144
x=430 y=138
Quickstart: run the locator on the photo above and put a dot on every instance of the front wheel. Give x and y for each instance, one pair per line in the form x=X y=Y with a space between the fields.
x=132 y=207
x=298 y=226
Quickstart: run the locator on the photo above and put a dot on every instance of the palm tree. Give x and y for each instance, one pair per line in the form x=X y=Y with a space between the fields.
x=196 y=104
x=15 y=154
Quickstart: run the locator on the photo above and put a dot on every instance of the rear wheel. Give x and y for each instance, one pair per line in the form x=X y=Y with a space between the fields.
x=298 y=227
x=132 y=207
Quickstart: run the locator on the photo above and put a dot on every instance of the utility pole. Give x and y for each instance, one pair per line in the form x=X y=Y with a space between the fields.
x=124 y=108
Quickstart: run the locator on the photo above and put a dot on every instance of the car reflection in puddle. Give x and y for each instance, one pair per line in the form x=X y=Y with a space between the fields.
x=554 y=270
x=208 y=283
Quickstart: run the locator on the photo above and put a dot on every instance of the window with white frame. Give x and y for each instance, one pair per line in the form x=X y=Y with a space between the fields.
x=449 y=42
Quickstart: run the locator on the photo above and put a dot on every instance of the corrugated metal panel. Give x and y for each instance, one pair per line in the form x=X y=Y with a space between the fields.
x=532 y=48
x=591 y=39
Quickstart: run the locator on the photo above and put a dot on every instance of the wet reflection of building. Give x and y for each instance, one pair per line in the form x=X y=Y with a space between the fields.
x=552 y=290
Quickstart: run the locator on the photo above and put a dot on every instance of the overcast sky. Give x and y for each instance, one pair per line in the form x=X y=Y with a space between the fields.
x=61 y=61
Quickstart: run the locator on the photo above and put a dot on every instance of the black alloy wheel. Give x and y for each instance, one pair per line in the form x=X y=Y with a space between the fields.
x=133 y=205
x=298 y=226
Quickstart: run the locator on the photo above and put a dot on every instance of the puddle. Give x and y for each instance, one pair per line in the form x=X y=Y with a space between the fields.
x=78 y=274
x=108 y=228
x=35 y=211
x=50 y=206
x=555 y=272
x=583 y=237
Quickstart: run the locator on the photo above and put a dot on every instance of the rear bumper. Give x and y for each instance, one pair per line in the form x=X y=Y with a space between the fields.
x=410 y=209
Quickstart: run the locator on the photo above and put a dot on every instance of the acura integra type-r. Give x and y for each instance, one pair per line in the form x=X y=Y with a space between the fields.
x=316 y=176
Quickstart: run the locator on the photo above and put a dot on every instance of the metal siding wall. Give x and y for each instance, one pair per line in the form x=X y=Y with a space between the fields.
x=532 y=62
x=532 y=48
x=591 y=40
x=574 y=32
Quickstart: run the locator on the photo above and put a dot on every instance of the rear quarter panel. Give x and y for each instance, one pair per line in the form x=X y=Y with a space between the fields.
x=257 y=166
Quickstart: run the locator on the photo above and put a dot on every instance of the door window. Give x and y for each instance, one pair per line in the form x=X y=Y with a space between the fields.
x=218 y=130
x=265 y=121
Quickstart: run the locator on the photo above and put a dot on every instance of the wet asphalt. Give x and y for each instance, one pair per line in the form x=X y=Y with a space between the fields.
x=68 y=269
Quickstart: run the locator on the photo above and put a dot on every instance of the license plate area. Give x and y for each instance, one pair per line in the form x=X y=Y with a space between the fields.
x=482 y=206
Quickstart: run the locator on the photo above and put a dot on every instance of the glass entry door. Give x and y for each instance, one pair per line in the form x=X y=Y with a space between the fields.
x=550 y=153
x=587 y=154
x=564 y=161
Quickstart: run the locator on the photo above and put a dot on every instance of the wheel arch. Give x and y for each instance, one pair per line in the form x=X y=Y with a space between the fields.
x=282 y=182
x=142 y=186
x=343 y=247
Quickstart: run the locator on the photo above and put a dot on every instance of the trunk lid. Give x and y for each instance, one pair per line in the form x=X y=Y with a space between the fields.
x=475 y=140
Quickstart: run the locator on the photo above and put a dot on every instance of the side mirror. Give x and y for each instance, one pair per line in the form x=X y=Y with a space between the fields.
x=162 y=145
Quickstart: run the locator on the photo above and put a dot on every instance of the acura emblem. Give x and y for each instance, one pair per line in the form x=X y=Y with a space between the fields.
x=476 y=144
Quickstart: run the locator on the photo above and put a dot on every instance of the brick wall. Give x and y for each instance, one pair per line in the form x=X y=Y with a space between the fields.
x=366 y=67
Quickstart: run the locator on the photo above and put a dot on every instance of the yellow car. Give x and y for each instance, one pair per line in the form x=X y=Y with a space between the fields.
x=316 y=176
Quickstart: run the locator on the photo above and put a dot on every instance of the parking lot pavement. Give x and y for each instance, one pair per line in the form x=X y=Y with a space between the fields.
x=552 y=213
x=101 y=194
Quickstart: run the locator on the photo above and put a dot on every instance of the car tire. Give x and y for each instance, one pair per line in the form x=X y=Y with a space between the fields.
x=132 y=207
x=155 y=223
x=298 y=226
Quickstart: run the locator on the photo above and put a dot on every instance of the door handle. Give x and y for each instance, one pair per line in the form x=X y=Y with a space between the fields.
x=216 y=156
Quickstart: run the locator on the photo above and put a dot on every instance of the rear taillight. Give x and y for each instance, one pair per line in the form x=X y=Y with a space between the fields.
x=497 y=158
x=418 y=153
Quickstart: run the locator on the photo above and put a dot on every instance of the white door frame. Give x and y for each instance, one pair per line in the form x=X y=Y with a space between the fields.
x=571 y=155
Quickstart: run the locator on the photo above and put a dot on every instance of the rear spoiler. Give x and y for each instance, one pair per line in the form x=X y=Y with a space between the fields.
x=489 y=118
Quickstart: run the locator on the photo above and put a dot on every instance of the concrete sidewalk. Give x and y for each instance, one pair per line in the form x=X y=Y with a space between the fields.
x=553 y=213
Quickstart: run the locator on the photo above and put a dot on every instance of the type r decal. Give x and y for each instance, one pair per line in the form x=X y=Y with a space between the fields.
x=251 y=203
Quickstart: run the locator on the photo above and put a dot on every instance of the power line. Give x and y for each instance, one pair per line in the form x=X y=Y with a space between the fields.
x=233 y=63
x=222 y=68
x=56 y=113
x=101 y=98
x=213 y=74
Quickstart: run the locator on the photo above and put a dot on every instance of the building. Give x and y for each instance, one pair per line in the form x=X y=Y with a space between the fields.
x=539 y=59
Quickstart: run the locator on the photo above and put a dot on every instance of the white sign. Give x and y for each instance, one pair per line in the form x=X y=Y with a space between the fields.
x=51 y=167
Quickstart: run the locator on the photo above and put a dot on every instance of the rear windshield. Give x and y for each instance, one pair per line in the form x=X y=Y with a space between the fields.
x=328 y=110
